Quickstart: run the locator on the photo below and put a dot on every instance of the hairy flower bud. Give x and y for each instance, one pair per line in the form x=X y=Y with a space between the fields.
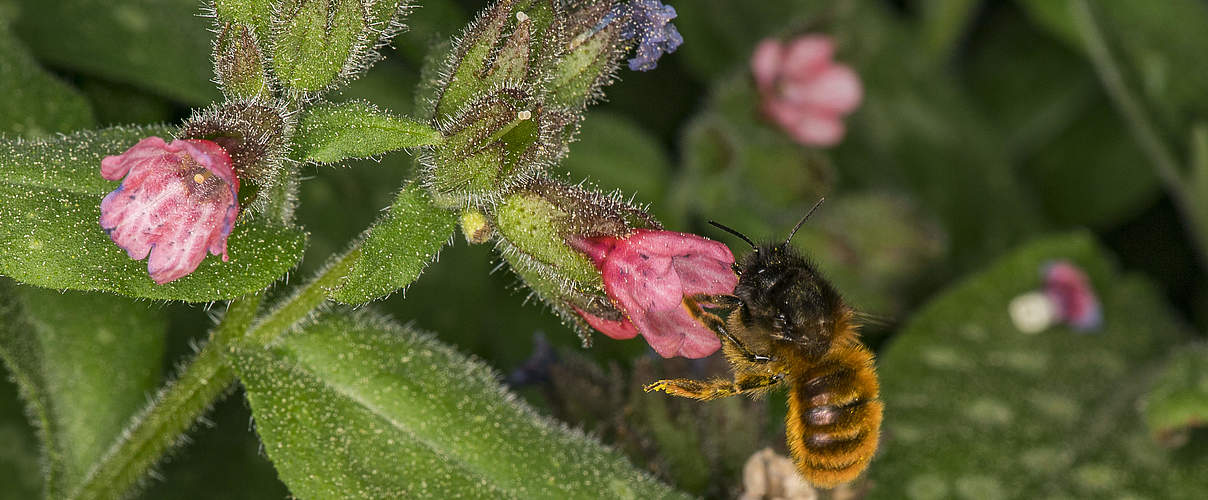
x=318 y=43
x=498 y=141
x=504 y=47
x=239 y=63
x=592 y=49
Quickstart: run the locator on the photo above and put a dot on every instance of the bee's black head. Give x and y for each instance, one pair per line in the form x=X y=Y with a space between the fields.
x=782 y=293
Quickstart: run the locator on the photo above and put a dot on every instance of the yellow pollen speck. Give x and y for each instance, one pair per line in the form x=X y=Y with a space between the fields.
x=198 y=178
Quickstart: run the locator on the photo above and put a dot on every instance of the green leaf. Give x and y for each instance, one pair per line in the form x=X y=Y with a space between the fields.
x=334 y=132
x=975 y=408
x=160 y=45
x=35 y=102
x=50 y=192
x=1161 y=43
x=85 y=363
x=356 y=406
x=1178 y=401
x=397 y=248
x=314 y=41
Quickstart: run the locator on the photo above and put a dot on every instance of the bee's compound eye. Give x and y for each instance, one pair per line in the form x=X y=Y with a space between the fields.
x=737 y=270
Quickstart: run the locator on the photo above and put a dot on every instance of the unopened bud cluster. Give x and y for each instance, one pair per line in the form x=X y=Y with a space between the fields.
x=510 y=96
x=512 y=92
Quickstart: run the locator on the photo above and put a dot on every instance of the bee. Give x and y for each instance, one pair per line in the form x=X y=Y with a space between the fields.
x=787 y=325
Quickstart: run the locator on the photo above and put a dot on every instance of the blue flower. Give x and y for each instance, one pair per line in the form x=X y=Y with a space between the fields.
x=648 y=22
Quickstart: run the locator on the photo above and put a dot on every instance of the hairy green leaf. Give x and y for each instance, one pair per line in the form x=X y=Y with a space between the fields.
x=313 y=41
x=50 y=192
x=160 y=45
x=397 y=248
x=35 y=102
x=975 y=408
x=1178 y=401
x=85 y=363
x=334 y=132
x=356 y=406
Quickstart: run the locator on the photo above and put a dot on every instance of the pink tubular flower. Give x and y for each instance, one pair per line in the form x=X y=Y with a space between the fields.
x=177 y=201
x=803 y=90
x=647 y=274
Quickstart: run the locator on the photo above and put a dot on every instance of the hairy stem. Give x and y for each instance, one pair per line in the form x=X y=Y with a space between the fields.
x=158 y=427
x=303 y=302
x=205 y=379
x=1142 y=127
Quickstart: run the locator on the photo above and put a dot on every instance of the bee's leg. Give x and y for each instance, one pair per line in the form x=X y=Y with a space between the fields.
x=714 y=322
x=716 y=388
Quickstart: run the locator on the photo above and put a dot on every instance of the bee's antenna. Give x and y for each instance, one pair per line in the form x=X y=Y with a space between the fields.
x=803 y=219
x=734 y=232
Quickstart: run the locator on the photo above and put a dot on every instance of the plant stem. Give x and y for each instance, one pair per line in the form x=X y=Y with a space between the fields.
x=1142 y=128
x=303 y=302
x=158 y=427
x=203 y=381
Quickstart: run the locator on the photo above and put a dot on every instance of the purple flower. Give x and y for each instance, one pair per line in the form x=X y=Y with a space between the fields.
x=649 y=22
x=647 y=274
x=177 y=201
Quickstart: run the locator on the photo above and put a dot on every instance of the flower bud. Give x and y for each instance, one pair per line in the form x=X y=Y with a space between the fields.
x=318 y=43
x=499 y=49
x=496 y=142
x=475 y=226
x=592 y=49
x=239 y=63
x=253 y=134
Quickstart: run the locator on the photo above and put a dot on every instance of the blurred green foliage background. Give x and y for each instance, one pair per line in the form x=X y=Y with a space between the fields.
x=986 y=128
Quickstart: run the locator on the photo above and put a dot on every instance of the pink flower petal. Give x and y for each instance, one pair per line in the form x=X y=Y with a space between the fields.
x=648 y=274
x=115 y=167
x=765 y=63
x=836 y=89
x=177 y=202
x=620 y=330
x=805 y=57
x=817 y=130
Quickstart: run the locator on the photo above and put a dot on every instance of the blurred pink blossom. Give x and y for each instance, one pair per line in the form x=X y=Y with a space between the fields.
x=804 y=90
x=177 y=200
x=647 y=274
x=1069 y=289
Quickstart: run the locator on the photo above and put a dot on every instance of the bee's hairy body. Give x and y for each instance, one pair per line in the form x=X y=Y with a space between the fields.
x=788 y=326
